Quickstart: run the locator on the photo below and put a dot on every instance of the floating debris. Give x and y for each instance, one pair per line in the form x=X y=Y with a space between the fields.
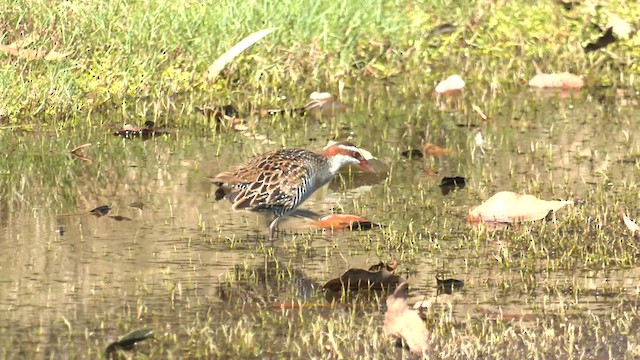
x=128 y=341
x=449 y=184
x=448 y=286
x=100 y=211
x=131 y=132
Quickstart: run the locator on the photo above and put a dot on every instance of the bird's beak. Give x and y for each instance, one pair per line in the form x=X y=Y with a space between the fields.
x=366 y=166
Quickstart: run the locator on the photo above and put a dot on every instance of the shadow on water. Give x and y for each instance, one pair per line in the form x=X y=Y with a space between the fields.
x=183 y=257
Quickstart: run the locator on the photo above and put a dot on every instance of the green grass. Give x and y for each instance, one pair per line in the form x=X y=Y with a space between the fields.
x=143 y=55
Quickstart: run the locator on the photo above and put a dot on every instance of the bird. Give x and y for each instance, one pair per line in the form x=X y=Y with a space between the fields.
x=280 y=180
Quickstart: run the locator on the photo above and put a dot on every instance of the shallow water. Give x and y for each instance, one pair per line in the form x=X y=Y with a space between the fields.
x=73 y=282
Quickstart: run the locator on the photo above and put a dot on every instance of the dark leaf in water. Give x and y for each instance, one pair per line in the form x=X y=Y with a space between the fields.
x=606 y=39
x=391 y=267
x=440 y=30
x=131 y=132
x=128 y=341
x=448 y=286
x=220 y=194
x=412 y=154
x=100 y=211
x=137 y=204
x=120 y=218
x=449 y=184
x=359 y=279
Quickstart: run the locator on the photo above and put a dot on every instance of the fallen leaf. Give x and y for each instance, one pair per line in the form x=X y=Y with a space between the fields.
x=100 y=211
x=323 y=104
x=620 y=27
x=360 y=279
x=449 y=184
x=237 y=49
x=337 y=222
x=451 y=86
x=412 y=154
x=128 y=341
x=129 y=131
x=56 y=56
x=563 y=80
x=402 y=322
x=604 y=40
x=631 y=225
x=448 y=286
x=435 y=150
x=507 y=206
x=29 y=54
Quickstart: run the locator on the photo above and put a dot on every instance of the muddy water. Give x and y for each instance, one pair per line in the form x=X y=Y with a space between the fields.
x=71 y=282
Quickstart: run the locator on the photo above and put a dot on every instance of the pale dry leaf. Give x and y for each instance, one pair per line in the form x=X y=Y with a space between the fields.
x=323 y=104
x=237 y=49
x=402 y=322
x=56 y=56
x=631 y=225
x=453 y=83
x=620 y=27
x=507 y=206
x=563 y=80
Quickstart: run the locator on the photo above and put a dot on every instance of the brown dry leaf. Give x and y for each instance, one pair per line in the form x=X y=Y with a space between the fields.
x=451 y=86
x=631 y=225
x=507 y=206
x=402 y=322
x=237 y=49
x=435 y=150
x=336 y=222
x=359 y=279
x=563 y=80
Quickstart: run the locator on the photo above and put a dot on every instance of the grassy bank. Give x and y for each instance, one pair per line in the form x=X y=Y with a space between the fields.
x=148 y=57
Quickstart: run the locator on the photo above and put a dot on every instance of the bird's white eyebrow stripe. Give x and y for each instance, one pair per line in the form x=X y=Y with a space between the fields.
x=350 y=148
